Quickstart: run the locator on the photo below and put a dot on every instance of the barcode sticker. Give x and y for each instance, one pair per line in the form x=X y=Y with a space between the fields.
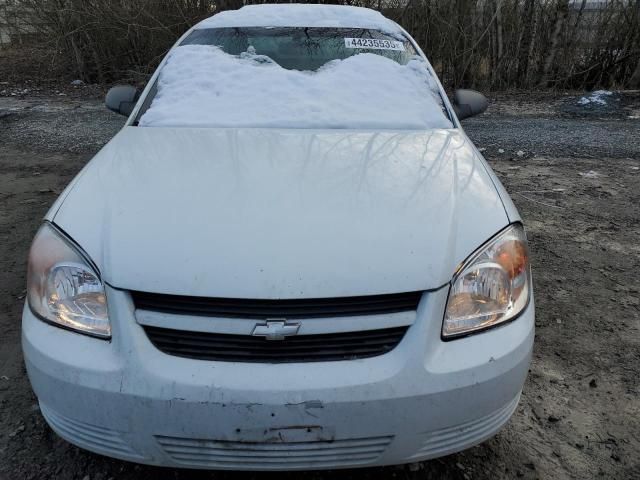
x=373 y=44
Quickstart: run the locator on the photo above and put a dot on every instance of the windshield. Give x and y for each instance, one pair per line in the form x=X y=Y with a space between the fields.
x=295 y=78
x=304 y=48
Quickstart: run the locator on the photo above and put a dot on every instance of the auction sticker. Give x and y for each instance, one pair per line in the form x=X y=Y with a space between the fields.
x=373 y=44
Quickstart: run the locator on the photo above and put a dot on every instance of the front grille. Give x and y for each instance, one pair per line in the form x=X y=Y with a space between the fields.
x=301 y=348
x=205 y=453
x=289 y=309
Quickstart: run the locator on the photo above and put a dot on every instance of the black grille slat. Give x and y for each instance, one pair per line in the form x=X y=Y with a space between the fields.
x=267 y=351
x=290 y=309
x=262 y=356
x=247 y=340
x=303 y=348
x=220 y=346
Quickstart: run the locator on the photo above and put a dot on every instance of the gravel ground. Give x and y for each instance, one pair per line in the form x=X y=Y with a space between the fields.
x=574 y=173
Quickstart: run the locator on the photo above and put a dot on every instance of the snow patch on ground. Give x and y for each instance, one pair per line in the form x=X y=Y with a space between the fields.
x=296 y=15
x=202 y=86
x=598 y=97
x=589 y=174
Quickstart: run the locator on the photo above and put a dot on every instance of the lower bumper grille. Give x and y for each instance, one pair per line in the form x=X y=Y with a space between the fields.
x=91 y=437
x=453 y=439
x=301 y=348
x=273 y=456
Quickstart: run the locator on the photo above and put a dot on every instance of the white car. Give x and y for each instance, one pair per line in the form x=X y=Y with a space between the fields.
x=291 y=257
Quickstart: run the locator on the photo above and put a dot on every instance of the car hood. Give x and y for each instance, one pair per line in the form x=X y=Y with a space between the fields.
x=265 y=213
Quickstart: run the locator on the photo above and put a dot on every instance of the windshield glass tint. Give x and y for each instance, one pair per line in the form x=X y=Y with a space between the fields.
x=304 y=48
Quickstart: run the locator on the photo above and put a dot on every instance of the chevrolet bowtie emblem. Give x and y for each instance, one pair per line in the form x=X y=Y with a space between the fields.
x=276 y=329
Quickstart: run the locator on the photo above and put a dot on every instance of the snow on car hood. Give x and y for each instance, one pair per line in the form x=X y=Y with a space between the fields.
x=202 y=86
x=266 y=213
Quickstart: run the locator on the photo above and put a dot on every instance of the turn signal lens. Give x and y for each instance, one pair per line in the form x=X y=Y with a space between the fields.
x=63 y=288
x=491 y=287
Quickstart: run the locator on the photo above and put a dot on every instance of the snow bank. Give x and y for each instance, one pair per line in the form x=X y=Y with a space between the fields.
x=201 y=86
x=597 y=97
x=297 y=15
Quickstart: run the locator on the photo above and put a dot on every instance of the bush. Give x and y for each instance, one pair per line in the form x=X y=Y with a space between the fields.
x=486 y=44
x=107 y=40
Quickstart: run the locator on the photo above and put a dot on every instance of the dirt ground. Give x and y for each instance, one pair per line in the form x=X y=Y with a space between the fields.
x=574 y=173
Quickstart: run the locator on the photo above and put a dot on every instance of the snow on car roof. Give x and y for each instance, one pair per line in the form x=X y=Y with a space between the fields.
x=202 y=86
x=299 y=15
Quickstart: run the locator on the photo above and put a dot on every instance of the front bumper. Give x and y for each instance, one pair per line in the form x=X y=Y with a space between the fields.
x=424 y=399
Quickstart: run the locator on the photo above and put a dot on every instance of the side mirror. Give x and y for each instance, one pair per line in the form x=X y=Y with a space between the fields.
x=467 y=103
x=121 y=99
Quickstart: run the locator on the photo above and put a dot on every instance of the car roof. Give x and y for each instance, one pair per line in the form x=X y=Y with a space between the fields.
x=301 y=15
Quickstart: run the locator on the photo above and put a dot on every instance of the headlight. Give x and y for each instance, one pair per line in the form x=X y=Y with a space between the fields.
x=63 y=287
x=491 y=287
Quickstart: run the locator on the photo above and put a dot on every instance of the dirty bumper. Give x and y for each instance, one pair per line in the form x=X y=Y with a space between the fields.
x=424 y=399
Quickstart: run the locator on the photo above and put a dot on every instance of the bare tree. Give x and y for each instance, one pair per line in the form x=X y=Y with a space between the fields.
x=487 y=44
x=562 y=13
x=526 y=40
